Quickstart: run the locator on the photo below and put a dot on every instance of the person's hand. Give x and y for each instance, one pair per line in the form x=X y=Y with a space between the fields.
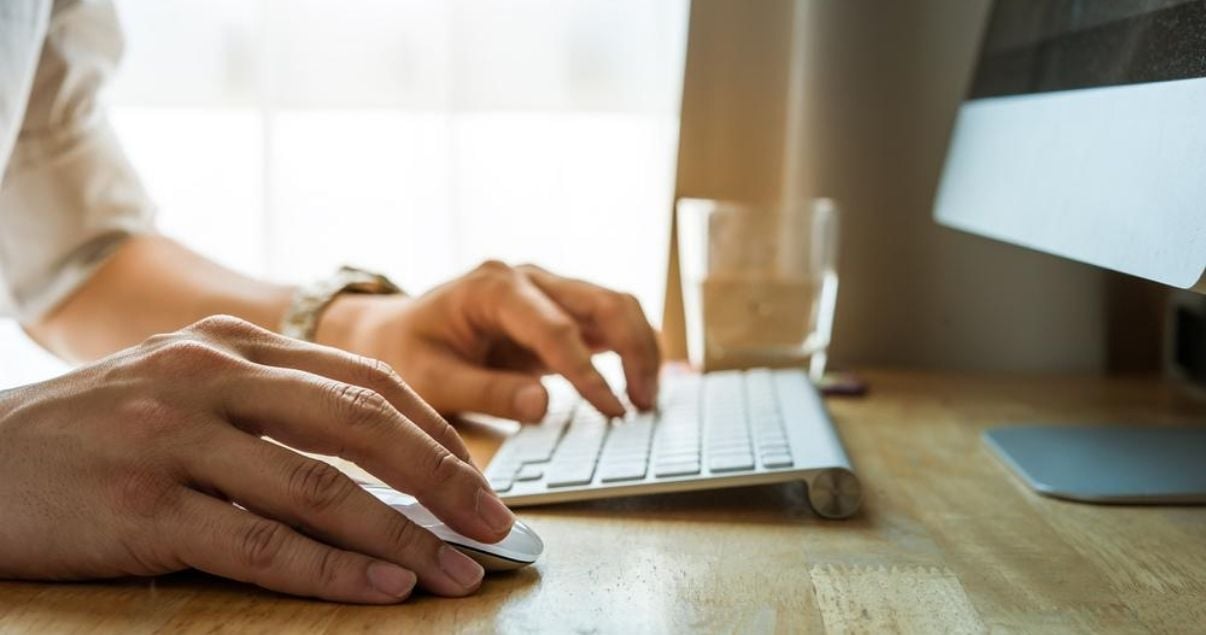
x=151 y=461
x=481 y=342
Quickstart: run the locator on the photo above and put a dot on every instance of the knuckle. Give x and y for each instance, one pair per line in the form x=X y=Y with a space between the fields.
x=493 y=266
x=188 y=356
x=192 y=351
x=329 y=568
x=159 y=339
x=446 y=434
x=378 y=373
x=362 y=407
x=402 y=534
x=528 y=268
x=444 y=470
x=259 y=544
x=224 y=326
x=630 y=301
x=614 y=305
x=492 y=280
x=561 y=330
x=494 y=286
x=318 y=486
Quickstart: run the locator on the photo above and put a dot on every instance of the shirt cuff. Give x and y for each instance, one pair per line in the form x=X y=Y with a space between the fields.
x=66 y=204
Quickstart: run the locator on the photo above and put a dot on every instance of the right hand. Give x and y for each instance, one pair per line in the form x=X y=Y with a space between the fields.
x=151 y=461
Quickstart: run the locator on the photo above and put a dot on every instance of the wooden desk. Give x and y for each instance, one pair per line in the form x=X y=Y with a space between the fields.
x=947 y=541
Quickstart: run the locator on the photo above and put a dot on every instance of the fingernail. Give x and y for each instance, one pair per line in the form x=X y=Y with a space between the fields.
x=493 y=512
x=391 y=580
x=461 y=568
x=530 y=402
x=641 y=398
x=617 y=409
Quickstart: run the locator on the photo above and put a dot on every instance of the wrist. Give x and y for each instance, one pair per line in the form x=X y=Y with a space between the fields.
x=349 y=321
x=311 y=302
x=341 y=323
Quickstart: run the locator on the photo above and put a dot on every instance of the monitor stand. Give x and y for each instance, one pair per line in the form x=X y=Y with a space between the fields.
x=1116 y=464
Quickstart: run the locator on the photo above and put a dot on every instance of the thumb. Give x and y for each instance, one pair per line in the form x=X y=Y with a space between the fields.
x=462 y=387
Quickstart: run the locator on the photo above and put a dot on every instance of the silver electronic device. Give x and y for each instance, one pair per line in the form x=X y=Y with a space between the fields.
x=1084 y=135
x=519 y=549
x=714 y=430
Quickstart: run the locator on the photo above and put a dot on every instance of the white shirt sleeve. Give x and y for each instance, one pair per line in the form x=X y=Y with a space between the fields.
x=68 y=196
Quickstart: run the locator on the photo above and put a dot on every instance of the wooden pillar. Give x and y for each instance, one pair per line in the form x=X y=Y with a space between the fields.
x=734 y=118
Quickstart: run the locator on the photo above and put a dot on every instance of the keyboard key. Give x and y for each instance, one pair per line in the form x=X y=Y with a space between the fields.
x=530 y=472
x=622 y=472
x=766 y=434
x=683 y=468
x=722 y=447
x=778 y=436
x=533 y=444
x=678 y=456
x=730 y=462
x=577 y=476
x=500 y=484
x=763 y=450
x=503 y=468
x=766 y=420
x=727 y=421
x=731 y=452
x=776 y=460
x=620 y=459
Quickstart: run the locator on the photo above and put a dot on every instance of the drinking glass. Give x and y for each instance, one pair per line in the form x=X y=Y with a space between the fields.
x=759 y=282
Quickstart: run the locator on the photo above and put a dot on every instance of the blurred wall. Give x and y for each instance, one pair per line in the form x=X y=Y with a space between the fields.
x=855 y=99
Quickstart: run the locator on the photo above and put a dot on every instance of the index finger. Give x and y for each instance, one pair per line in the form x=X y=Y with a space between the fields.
x=374 y=375
x=619 y=320
x=315 y=497
x=262 y=346
x=316 y=414
x=535 y=321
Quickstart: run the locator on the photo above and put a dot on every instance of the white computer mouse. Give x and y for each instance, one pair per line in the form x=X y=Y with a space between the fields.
x=519 y=549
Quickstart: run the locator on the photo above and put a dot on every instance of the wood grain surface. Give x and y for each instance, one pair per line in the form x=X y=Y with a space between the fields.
x=947 y=541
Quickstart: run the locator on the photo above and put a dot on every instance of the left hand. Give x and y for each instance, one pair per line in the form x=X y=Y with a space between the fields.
x=481 y=342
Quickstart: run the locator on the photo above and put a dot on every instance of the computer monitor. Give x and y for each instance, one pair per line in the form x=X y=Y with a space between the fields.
x=1084 y=135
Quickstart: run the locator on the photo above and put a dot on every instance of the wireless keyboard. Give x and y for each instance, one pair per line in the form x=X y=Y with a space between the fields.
x=721 y=429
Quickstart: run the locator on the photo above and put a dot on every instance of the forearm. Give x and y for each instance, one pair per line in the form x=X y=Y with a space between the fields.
x=152 y=285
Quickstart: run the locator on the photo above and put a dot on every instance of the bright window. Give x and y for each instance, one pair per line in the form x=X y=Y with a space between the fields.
x=286 y=137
